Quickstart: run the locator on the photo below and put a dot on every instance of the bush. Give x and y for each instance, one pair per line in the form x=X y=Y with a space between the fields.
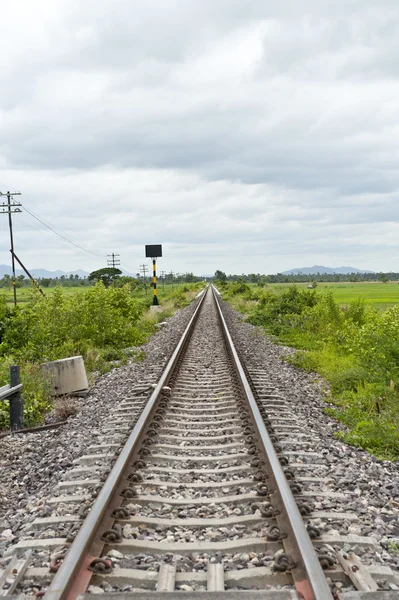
x=97 y=323
x=35 y=392
x=101 y=324
x=280 y=313
x=55 y=327
x=355 y=349
x=65 y=407
x=239 y=288
x=178 y=298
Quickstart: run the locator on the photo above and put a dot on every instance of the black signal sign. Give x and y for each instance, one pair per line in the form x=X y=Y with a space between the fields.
x=154 y=251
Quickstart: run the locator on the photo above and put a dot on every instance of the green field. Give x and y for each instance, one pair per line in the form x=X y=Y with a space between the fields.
x=354 y=348
x=24 y=292
x=104 y=325
x=382 y=295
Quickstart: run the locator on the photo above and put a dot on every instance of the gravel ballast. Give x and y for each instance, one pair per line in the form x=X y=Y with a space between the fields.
x=32 y=464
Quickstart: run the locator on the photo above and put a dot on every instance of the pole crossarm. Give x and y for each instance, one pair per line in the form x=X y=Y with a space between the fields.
x=113 y=260
x=12 y=207
x=5 y=209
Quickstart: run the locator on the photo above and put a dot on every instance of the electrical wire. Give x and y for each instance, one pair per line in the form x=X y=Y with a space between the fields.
x=31 y=226
x=64 y=237
x=46 y=222
x=129 y=268
x=34 y=227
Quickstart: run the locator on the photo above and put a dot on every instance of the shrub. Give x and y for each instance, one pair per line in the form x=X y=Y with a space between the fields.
x=280 y=313
x=355 y=349
x=35 y=393
x=52 y=328
x=97 y=323
x=65 y=407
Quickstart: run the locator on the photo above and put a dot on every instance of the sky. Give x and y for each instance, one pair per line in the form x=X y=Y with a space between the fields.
x=243 y=135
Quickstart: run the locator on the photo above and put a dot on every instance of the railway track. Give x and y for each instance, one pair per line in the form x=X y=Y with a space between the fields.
x=216 y=488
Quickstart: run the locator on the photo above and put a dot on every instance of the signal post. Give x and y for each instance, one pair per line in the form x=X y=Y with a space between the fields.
x=154 y=251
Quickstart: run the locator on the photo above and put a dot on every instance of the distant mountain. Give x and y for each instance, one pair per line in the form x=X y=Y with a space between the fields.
x=320 y=269
x=6 y=270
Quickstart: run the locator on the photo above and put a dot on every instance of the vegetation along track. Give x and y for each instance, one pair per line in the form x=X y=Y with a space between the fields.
x=213 y=490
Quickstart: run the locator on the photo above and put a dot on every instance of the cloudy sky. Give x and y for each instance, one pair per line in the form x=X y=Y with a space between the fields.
x=243 y=135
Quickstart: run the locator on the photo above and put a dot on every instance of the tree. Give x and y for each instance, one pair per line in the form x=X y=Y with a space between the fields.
x=220 y=275
x=126 y=280
x=6 y=281
x=106 y=275
x=383 y=277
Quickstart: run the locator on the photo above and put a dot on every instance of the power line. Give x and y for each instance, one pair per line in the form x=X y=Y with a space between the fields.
x=131 y=269
x=36 y=227
x=61 y=235
x=52 y=226
x=31 y=226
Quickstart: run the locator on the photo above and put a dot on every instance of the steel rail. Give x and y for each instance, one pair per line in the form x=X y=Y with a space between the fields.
x=320 y=589
x=64 y=578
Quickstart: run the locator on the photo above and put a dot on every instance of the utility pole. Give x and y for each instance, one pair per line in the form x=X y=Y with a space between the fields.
x=163 y=278
x=171 y=278
x=9 y=209
x=144 y=270
x=113 y=260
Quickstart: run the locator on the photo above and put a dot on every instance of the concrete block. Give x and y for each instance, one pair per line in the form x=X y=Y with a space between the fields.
x=66 y=376
x=155 y=308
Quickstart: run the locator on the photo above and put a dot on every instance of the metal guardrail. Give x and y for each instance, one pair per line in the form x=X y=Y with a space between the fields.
x=6 y=391
x=12 y=392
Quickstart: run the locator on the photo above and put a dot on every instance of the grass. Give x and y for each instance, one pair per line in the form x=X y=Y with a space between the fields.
x=349 y=342
x=23 y=293
x=105 y=326
x=381 y=295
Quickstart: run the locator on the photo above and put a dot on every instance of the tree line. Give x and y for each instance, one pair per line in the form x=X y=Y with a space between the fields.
x=107 y=275
x=320 y=277
x=119 y=279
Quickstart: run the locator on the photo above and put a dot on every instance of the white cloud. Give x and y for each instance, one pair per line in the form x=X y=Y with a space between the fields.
x=244 y=136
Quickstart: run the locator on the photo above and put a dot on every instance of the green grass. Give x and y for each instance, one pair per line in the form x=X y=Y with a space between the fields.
x=352 y=344
x=381 y=295
x=23 y=293
x=105 y=326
